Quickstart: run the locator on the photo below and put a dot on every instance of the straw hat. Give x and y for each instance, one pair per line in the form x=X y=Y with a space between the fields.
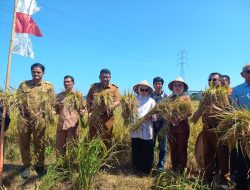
x=178 y=79
x=144 y=83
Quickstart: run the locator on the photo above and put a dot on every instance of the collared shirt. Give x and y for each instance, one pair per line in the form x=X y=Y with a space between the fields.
x=241 y=95
x=68 y=114
x=144 y=131
x=158 y=97
x=96 y=89
x=34 y=95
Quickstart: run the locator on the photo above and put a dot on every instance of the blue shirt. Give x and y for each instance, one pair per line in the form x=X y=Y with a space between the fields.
x=241 y=95
x=158 y=97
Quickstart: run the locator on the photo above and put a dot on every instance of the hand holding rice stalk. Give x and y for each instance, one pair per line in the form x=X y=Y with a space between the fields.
x=235 y=126
x=103 y=103
x=178 y=109
x=218 y=96
x=129 y=105
x=74 y=101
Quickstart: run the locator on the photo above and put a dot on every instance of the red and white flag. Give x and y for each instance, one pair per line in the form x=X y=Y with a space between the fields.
x=25 y=26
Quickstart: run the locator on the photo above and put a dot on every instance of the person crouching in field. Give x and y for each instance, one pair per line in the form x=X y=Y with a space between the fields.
x=69 y=105
x=179 y=128
x=142 y=138
x=209 y=107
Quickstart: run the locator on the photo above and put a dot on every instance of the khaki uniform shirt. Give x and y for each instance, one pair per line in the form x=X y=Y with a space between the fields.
x=96 y=89
x=68 y=114
x=34 y=96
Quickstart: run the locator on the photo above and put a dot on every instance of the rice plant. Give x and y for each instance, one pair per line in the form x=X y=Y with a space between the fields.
x=78 y=167
x=169 y=180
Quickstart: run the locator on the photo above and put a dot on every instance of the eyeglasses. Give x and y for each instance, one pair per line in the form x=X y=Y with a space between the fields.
x=177 y=85
x=214 y=79
x=247 y=71
x=144 y=90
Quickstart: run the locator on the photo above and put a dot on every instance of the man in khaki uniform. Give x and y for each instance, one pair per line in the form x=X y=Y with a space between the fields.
x=69 y=105
x=102 y=129
x=212 y=146
x=37 y=95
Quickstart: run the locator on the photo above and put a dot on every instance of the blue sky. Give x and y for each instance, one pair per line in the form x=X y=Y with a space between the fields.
x=135 y=39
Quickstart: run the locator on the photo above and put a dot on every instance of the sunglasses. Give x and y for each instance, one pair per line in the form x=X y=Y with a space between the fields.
x=177 y=85
x=247 y=71
x=214 y=79
x=144 y=90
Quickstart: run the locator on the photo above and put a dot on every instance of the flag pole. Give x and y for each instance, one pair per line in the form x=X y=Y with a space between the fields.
x=6 y=90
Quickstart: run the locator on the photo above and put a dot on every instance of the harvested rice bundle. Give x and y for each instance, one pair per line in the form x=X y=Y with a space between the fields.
x=73 y=101
x=217 y=96
x=44 y=109
x=168 y=110
x=129 y=105
x=235 y=127
x=103 y=104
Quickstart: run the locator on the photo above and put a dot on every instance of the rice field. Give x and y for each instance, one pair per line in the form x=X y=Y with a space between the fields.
x=98 y=168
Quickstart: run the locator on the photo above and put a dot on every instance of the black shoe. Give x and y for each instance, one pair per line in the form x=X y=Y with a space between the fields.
x=25 y=172
x=40 y=170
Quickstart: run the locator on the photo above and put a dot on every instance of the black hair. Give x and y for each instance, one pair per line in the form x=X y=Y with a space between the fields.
x=107 y=71
x=215 y=73
x=158 y=79
x=226 y=76
x=68 y=76
x=39 y=65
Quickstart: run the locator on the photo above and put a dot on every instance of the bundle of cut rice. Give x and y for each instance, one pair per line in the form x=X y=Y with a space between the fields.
x=129 y=106
x=103 y=104
x=235 y=129
x=217 y=96
x=169 y=110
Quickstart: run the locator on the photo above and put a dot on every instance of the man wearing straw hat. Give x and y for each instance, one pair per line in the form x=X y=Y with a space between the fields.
x=240 y=162
x=212 y=146
x=104 y=126
x=158 y=95
x=36 y=93
x=142 y=137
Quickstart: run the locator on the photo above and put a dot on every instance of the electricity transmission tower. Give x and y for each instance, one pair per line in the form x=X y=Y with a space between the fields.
x=182 y=61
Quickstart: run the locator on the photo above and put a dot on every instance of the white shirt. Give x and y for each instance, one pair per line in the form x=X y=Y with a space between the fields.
x=144 y=131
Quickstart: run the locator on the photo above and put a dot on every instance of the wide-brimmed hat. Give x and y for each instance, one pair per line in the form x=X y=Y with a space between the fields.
x=178 y=79
x=144 y=83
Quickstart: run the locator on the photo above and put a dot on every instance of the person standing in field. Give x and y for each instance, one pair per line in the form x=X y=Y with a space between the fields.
x=102 y=99
x=209 y=108
x=179 y=127
x=142 y=141
x=240 y=162
x=70 y=107
x=226 y=83
x=158 y=124
x=37 y=102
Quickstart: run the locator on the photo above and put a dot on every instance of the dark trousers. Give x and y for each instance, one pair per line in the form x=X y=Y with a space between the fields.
x=142 y=154
x=214 y=149
x=158 y=125
x=178 y=149
x=240 y=166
